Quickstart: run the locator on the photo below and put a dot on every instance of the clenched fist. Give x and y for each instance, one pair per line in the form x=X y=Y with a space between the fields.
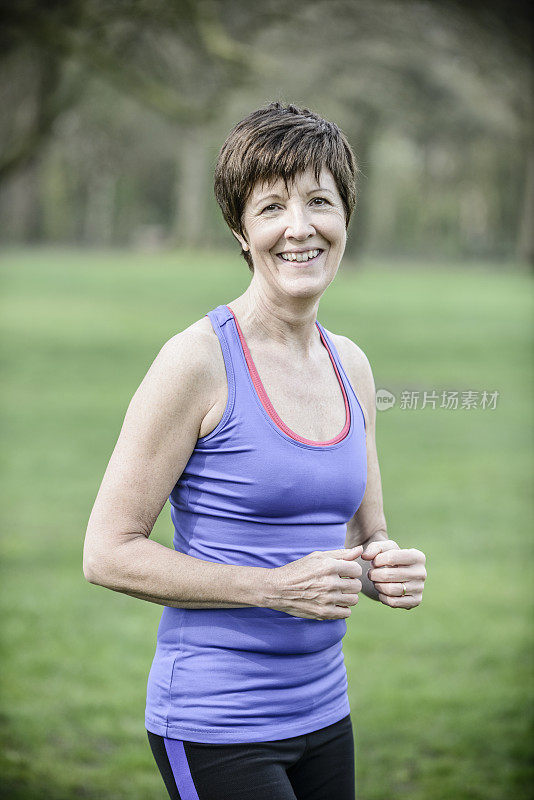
x=322 y=585
x=398 y=575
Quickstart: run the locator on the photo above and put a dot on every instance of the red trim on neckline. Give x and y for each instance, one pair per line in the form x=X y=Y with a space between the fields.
x=268 y=406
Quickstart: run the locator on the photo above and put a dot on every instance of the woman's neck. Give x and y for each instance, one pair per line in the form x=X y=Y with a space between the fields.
x=290 y=325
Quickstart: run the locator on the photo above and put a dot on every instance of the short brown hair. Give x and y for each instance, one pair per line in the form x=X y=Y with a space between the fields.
x=278 y=142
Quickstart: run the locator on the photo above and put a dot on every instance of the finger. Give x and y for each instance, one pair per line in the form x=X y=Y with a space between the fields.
x=392 y=589
x=348 y=569
x=400 y=589
x=396 y=574
x=408 y=601
x=344 y=613
x=348 y=600
x=343 y=552
x=373 y=549
x=352 y=587
x=392 y=558
x=352 y=552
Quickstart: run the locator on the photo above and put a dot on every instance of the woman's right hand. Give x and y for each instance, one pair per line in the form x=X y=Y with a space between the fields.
x=322 y=585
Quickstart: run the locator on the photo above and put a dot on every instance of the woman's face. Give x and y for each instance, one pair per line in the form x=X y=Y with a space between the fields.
x=296 y=236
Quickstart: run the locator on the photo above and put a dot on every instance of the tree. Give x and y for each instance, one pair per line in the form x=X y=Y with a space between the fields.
x=157 y=53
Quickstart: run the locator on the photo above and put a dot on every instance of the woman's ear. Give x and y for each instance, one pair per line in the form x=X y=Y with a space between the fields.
x=243 y=242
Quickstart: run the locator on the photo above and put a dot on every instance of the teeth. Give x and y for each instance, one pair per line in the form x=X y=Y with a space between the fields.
x=300 y=256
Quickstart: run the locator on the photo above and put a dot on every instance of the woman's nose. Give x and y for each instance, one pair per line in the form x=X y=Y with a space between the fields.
x=298 y=224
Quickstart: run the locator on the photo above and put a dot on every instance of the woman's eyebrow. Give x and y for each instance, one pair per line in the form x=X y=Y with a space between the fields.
x=263 y=199
x=274 y=196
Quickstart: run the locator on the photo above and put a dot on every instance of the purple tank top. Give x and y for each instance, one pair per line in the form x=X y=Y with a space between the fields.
x=255 y=493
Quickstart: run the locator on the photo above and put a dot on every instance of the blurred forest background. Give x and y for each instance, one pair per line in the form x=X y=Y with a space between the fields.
x=113 y=114
x=117 y=111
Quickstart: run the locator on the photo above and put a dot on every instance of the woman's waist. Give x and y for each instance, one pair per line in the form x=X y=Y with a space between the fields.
x=195 y=632
x=224 y=542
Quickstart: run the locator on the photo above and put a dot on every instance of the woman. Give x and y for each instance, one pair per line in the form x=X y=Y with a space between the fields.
x=259 y=425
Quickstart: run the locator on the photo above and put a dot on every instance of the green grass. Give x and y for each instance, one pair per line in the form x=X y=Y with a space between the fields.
x=441 y=696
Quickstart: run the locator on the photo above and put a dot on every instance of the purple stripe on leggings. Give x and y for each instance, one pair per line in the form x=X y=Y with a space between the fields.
x=180 y=769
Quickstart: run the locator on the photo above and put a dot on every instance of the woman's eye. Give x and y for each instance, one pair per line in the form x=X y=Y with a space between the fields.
x=319 y=202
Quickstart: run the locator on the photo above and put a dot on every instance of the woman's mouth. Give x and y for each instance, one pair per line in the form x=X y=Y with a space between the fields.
x=300 y=259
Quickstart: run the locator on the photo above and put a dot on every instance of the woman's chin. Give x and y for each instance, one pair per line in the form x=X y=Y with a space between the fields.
x=304 y=285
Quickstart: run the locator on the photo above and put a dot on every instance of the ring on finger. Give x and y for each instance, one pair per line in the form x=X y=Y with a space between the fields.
x=403 y=589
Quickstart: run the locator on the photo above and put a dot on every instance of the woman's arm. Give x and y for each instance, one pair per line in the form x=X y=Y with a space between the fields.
x=369 y=522
x=158 y=435
x=368 y=525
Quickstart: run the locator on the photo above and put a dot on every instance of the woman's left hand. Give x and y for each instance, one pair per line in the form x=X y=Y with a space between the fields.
x=398 y=575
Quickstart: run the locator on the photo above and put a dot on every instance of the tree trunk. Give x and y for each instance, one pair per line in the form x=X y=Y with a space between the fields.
x=525 y=243
x=191 y=188
x=362 y=138
x=99 y=210
x=20 y=207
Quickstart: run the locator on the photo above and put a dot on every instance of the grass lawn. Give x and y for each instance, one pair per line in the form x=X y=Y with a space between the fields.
x=440 y=697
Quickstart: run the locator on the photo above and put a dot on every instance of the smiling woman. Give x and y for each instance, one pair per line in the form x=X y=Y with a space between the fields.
x=264 y=153
x=258 y=425
x=304 y=227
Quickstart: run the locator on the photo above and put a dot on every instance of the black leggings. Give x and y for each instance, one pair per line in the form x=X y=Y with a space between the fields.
x=314 y=766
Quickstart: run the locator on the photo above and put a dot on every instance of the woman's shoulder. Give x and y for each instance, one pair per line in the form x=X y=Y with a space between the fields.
x=197 y=343
x=191 y=357
x=358 y=368
x=350 y=353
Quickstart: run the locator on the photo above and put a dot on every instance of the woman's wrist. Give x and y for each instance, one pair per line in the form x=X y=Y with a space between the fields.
x=254 y=586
